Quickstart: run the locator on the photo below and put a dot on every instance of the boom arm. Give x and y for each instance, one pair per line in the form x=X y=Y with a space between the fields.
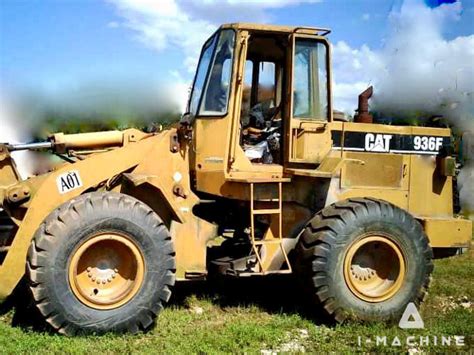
x=60 y=142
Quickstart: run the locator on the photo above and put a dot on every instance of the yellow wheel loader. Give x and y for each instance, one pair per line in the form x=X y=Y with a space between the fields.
x=261 y=177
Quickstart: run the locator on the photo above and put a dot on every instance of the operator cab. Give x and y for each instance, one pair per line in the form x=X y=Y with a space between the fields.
x=260 y=100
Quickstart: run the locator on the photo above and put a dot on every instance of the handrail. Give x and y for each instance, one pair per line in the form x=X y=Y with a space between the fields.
x=325 y=31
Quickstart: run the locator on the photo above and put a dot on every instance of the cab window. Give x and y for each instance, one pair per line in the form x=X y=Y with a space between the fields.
x=266 y=82
x=211 y=89
x=310 y=80
x=201 y=73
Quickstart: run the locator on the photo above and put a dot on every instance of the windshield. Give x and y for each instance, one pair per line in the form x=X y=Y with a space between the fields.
x=211 y=87
x=201 y=73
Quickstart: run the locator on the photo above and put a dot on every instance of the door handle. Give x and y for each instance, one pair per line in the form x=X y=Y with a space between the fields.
x=321 y=127
x=314 y=129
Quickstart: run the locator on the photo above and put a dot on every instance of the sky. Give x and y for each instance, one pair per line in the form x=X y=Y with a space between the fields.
x=60 y=48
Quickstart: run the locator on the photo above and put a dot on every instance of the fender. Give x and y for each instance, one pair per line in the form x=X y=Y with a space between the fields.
x=153 y=180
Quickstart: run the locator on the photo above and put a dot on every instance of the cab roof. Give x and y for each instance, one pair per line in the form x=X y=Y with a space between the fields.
x=277 y=28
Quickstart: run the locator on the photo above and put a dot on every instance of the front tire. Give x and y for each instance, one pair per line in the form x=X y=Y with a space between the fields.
x=364 y=259
x=101 y=262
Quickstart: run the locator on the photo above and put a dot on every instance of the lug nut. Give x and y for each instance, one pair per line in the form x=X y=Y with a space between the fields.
x=89 y=269
x=93 y=279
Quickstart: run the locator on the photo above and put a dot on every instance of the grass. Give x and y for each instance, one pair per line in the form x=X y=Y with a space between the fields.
x=255 y=315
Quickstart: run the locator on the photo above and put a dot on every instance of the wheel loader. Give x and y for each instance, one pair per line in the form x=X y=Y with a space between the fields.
x=260 y=177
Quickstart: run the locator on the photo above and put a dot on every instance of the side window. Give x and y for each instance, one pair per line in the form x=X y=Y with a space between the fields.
x=266 y=82
x=216 y=93
x=310 y=80
x=247 y=93
x=248 y=73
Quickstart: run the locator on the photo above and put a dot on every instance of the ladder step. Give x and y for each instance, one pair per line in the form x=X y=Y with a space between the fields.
x=276 y=240
x=267 y=211
x=271 y=241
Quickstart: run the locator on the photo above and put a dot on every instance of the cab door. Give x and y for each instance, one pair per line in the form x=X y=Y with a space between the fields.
x=308 y=135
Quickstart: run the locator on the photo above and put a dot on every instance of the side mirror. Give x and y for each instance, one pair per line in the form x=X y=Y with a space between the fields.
x=186 y=126
x=187 y=119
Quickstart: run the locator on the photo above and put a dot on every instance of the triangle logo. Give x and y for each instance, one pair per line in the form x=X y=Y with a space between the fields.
x=411 y=318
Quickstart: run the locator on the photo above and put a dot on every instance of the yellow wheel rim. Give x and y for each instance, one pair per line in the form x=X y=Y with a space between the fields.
x=106 y=271
x=374 y=268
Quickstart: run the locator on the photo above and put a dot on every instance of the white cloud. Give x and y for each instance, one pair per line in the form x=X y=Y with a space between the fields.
x=366 y=17
x=180 y=89
x=417 y=70
x=354 y=69
x=186 y=24
x=160 y=25
x=113 y=24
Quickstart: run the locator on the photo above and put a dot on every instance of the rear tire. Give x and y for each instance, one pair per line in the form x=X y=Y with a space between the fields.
x=101 y=262
x=364 y=259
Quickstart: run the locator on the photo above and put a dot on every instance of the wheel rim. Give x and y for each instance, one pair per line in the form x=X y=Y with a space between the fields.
x=374 y=268
x=106 y=271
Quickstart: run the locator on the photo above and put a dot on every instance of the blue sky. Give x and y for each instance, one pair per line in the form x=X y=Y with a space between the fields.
x=57 y=45
x=47 y=43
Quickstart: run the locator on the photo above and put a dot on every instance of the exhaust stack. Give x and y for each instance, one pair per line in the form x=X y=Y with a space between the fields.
x=363 y=115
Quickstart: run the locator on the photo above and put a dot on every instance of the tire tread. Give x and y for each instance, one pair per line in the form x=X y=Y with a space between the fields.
x=320 y=236
x=57 y=223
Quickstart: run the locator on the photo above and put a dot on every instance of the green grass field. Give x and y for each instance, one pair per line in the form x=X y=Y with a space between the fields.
x=264 y=316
